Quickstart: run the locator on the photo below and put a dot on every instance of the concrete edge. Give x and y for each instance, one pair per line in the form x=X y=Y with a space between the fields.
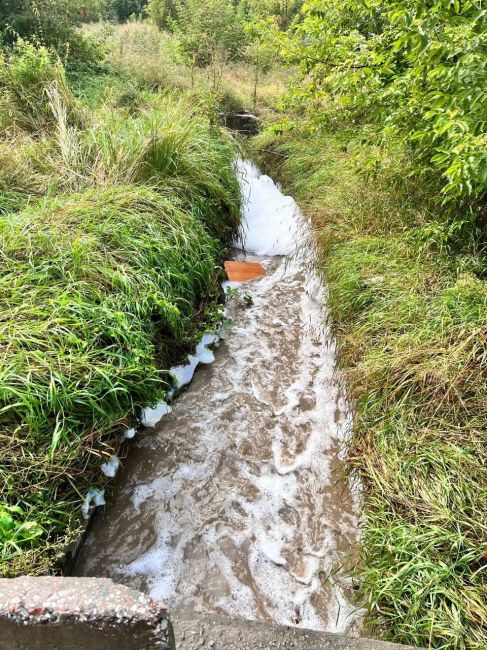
x=39 y=612
x=220 y=632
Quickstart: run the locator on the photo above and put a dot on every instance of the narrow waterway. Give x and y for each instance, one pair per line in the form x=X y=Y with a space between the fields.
x=236 y=501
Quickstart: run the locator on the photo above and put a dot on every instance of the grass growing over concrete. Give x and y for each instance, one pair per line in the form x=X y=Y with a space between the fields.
x=408 y=300
x=112 y=232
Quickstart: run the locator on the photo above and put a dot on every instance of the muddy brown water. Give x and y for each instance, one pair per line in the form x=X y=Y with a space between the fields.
x=236 y=503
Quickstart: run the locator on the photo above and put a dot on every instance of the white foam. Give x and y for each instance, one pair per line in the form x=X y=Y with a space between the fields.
x=155 y=565
x=271 y=221
x=184 y=374
x=159 y=486
x=94 y=498
x=230 y=284
x=152 y=416
x=110 y=468
x=203 y=352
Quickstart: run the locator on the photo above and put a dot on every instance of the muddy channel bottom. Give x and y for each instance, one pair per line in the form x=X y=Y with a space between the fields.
x=236 y=502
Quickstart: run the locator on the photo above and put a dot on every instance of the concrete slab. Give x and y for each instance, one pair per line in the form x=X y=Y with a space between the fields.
x=80 y=614
x=195 y=631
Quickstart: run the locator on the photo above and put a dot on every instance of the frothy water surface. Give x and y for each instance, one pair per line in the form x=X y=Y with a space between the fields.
x=271 y=222
x=235 y=502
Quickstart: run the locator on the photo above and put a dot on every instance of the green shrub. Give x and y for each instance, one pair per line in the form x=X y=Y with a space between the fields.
x=52 y=23
x=209 y=32
x=415 y=70
x=125 y=9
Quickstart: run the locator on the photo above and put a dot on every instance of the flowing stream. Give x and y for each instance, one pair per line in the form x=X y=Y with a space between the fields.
x=236 y=501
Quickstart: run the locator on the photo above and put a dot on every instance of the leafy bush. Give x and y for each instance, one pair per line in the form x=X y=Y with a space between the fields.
x=208 y=32
x=284 y=10
x=15 y=530
x=161 y=12
x=124 y=9
x=416 y=69
x=50 y=22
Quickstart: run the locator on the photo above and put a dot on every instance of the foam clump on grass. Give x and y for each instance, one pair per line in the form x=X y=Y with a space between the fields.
x=183 y=374
x=152 y=415
x=110 y=468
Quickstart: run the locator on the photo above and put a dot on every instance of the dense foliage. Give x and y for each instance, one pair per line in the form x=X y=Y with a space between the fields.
x=124 y=9
x=208 y=31
x=415 y=69
x=51 y=22
x=218 y=28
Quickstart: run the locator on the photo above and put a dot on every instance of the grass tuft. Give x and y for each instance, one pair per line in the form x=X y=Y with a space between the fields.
x=88 y=283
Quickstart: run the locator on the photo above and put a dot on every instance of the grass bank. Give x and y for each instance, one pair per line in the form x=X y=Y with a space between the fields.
x=408 y=301
x=113 y=223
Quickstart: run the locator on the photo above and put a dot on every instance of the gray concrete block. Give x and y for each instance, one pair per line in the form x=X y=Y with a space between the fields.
x=196 y=631
x=80 y=614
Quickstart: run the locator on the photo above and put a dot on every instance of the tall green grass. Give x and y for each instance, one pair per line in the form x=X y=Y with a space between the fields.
x=408 y=302
x=112 y=234
x=26 y=75
x=89 y=283
x=171 y=145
